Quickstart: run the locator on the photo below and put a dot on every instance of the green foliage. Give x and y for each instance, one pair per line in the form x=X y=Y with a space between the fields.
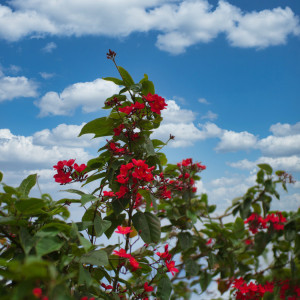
x=40 y=248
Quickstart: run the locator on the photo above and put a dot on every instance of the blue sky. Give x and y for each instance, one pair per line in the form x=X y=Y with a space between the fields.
x=229 y=69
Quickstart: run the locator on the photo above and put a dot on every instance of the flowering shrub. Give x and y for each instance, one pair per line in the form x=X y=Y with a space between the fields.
x=45 y=256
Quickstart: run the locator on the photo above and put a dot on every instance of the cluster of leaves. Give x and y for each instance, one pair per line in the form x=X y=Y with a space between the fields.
x=41 y=249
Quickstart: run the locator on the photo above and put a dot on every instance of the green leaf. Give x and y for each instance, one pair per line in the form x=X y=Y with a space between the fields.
x=96 y=257
x=27 y=184
x=136 y=88
x=115 y=220
x=96 y=163
x=149 y=147
x=162 y=158
x=84 y=276
x=73 y=191
x=101 y=225
x=192 y=268
x=185 y=240
x=26 y=240
x=148 y=226
x=87 y=198
x=99 y=127
x=164 y=289
x=239 y=228
x=266 y=167
x=47 y=245
x=1 y=176
x=157 y=143
x=126 y=77
x=148 y=87
x=29 y=205
x=117 y=81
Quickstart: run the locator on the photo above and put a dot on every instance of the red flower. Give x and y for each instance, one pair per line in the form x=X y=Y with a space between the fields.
x=171 y=267
x=122 y=192
x=80 y=168
x=37 y=292
x=147 y=287
x=123 y=230
x=134 y=263
x=119 y=129
x=107 y=287
x=209 y=242
x=156 y=103
x=127 y=109
x=122 y=253
x=108 y=194
x=62 y=177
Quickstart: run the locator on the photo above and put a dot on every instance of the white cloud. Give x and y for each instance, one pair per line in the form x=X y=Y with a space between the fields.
x=210 y=116
x=16 y=87
x=173 y=113
x=280 y=145
x=20 y=152
x=203 y=101
x=46 y=75
x=289 y=163
x=179 y=24
x=264 y=28
x=64 y=135
x=49 y=47
x=235 y=141
x=89 y=95
x=285 y=129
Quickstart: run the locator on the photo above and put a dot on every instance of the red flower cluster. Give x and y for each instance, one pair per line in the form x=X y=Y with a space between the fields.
x=156 y=103
x=116 y=149
x=133 y=107
x=87 y=298
x=67 y=172
x=257 y=222
x=107 y=287
x=133 y=262
x=38 y=293
x=170 y=264
x=288 y=291
x=185 y=180
x=251 y=291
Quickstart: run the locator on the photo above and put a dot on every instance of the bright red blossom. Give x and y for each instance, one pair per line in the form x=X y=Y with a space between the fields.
x=122 y=253
x=156 y=103
x=37 y=292
x=171 y=267
x=123 y=230
x=147 y=287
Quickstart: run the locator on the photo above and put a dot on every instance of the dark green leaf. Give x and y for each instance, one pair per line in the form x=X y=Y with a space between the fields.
x=115 y=220
x=84 y=276
x=266 y=167
x=192 y=268
x=162 y=158
x=126 y=77
x=149 y=147
x=164 y=288
x=27 y=184
x=47 y=245
x=78 y=192
x=239 y=228
x=148 y=226
x=185 y=240
x=148 y=87
x=99 y=127
x=101 y=225
x=26 y=239
x=87 y=198
x=136 y=88
x=117 y=81
x=29 y=205
x=96 y=257
x=1 y=176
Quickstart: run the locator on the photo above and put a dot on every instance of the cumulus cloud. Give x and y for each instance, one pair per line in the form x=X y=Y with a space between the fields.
x=89 y=95
x=64 y=135
x=288 y=163
x=285 y=129
x=179 y=24
x=16 y=87
x=232 y=141
x=49 y=47
x=20 y=152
